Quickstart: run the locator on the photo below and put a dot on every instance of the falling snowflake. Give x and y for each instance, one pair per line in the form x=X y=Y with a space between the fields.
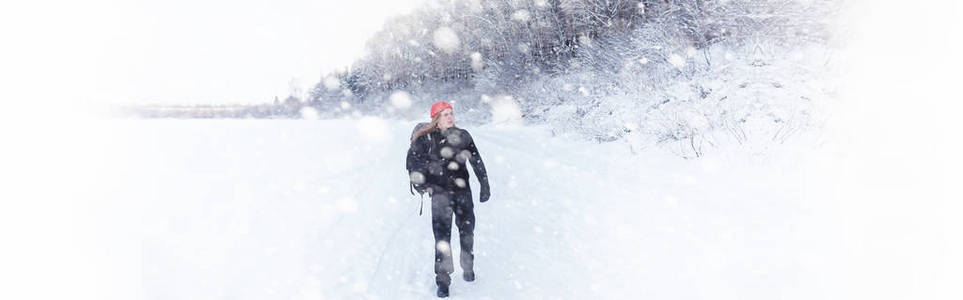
x=446 y=39
x=443 y=246
x=454 y=138
x=417 y=178
x=583 y=90
x=309 y=113
x=518 y=285
x=463 y=156
x=585 y=40
x=332 y=83
x=476 y=62
x=677 y=61
x=447 y=152
x=506 y=110
x=400 y=100
x=523 y=48
x=521 y=15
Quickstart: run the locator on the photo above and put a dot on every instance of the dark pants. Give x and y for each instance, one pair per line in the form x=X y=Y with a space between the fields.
x=443 y=205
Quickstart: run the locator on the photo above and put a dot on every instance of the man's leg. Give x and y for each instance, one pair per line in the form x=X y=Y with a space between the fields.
x=465 y=221
x=441 y=213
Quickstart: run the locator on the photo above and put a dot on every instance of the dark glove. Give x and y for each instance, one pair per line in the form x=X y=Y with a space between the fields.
x=485 y=193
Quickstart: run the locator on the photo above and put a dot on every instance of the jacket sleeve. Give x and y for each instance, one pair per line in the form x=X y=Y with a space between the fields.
x=476 y=163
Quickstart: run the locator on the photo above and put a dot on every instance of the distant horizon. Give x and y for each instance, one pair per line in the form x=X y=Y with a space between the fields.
x=201 y=104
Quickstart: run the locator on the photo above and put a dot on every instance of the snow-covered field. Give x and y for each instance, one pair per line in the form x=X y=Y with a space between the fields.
x=320 y=209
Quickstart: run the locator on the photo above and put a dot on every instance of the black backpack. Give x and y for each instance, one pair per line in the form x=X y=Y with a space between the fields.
x=412 y=186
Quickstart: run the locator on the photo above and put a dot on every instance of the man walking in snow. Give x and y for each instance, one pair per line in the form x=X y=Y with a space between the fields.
x=437 y=161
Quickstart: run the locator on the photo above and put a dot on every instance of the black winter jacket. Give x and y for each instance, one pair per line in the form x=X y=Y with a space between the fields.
x=441 y=157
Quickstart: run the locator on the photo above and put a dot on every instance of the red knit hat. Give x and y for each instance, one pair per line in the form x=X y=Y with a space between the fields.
x=438 y=107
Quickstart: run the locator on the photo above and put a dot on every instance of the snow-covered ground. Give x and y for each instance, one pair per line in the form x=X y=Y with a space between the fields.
x=320 y=209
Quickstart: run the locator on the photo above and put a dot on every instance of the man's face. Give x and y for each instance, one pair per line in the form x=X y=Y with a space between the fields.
x=447 y=120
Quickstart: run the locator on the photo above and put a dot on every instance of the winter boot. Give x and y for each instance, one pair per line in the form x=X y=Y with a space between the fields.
x=442 y=291
x=468 y=276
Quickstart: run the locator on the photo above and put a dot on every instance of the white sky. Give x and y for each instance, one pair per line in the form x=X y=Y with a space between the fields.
x=180 y=51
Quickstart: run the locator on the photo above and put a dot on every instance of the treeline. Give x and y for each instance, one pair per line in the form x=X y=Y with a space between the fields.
x=290 y=108
x=457 y=41
x=514 y=41
x=688 y=73
x=644 y=71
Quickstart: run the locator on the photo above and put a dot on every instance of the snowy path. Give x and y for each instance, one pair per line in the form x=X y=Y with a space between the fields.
x=320 y=210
